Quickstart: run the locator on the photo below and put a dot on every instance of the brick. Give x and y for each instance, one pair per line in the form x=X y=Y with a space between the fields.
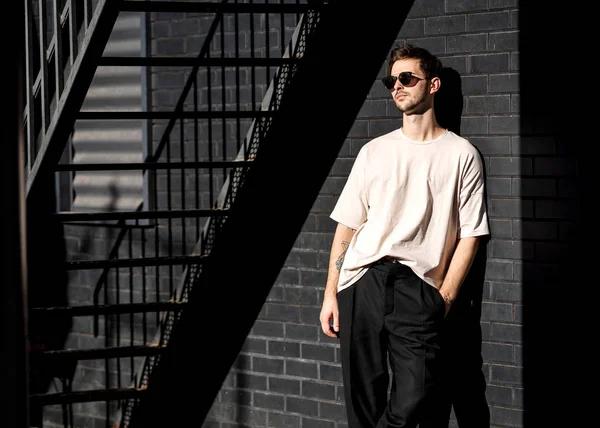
x=503 y=41
x=301 y=369
x=492 y=145
x=466 y=6
x=507 y=417
x=268 y=401
x=497 y=312
x=318 y=352
x=505 y=124
x=278 y=420
x=496 y=394
x=488 y=104
x=474 y=85
x=302 y=406
x=267 y=365
x=506 y=291
x=318 y=390
x=488 y=21
x=466 y=43
x=426 y=8
x=284 y=386
x=445 y=25
x=280 y=348
x=510 y=333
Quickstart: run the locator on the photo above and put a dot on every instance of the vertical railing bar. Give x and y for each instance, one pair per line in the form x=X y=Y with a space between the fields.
x=196 y=154
x=131 y=300
x=29 y=82
x=223 y=96
x=87 y=14
x=107 y=381
x=58 y=53
x=282 y=31
x=144 y=296
x=118 y=316
x=252 y=70
x=252 y=77
x=146 y=105
x=169 y=220
x=183 y=207
x=210 y=131
x=45 y=102
x=236 y=24
x=73 y=33
x=157 y=270
x=267 y=48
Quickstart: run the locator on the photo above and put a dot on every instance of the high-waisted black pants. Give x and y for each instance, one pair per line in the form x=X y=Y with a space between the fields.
x=390 y=315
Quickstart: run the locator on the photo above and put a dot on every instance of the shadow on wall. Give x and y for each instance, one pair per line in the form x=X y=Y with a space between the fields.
x=555 y=268
x=464 y=380
x=449 y=100
x=47 y=287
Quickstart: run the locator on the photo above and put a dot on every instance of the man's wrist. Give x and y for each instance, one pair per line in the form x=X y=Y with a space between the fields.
x=447 y=298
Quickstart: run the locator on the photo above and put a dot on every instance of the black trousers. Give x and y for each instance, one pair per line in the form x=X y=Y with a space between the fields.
x=390 y=322
x=463 y=380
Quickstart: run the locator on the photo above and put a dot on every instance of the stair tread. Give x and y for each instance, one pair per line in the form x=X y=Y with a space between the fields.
x=84 y=396
x=211 y=7
x=99 y=353
x=135 y=262
x=237 y=163
x=189 y=61
x=174 y=114
x=137 y=215
x=116 y=308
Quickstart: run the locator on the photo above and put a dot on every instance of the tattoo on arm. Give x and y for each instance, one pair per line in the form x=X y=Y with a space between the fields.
x=340 y=260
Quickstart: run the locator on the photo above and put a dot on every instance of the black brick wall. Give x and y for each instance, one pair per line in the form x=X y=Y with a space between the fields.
x=288 y=374
x=530 y=189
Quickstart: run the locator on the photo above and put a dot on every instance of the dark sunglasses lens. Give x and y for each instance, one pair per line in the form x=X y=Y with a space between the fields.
x=389 y=81
x=406 y=79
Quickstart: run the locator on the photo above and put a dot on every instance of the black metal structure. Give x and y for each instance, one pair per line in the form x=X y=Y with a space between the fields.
x=167 y=268
x=15 y=379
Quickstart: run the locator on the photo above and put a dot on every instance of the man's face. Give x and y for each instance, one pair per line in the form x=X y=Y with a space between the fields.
x=414 y=98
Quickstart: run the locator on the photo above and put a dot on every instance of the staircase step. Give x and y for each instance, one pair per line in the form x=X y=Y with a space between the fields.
x=99 y=353
x=207 y=7
x=169 y=61
x=110 y=394
x=174 y=114
x=67 y=216
x=110 y=309
x=153 y=165
x=137 y=262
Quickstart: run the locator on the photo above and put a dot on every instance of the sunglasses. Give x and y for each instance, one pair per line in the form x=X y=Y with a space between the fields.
x=406 y=79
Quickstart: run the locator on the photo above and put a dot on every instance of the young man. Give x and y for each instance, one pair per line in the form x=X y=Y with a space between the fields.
x=409 y=222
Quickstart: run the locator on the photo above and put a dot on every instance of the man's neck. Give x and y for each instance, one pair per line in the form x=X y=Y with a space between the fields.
x=421 y=127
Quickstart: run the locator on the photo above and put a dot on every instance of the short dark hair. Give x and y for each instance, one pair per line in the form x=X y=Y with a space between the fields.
x=430 y=64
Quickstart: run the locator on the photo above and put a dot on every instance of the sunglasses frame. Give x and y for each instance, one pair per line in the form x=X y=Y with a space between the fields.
x=406 y=76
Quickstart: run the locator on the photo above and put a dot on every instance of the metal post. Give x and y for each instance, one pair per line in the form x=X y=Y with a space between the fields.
x=13 y=270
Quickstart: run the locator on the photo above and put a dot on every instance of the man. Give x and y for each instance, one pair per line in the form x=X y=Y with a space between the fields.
x=409 y=222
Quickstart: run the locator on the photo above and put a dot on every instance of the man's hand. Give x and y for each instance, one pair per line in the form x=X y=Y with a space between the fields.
x=448 y=301
x=329 y=312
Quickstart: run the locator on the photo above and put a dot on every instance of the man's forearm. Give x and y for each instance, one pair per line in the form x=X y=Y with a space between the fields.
x=341 y=241
x=461 y=262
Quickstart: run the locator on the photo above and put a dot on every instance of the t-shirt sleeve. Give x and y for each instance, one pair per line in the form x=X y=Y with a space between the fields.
x=472 y=211
x=351 y=206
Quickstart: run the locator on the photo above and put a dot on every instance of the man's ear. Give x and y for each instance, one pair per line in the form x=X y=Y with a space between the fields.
x=434 y=85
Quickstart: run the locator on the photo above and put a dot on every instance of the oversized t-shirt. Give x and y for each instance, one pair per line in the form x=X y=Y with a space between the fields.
x=411 y=201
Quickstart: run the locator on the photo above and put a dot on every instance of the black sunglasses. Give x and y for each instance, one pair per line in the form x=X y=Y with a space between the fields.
x=406 y=78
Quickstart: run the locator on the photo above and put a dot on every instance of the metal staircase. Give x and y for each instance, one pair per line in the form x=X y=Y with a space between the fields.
x=222 y=162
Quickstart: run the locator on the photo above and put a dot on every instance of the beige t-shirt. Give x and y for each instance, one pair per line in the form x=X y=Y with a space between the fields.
x=411 y=200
